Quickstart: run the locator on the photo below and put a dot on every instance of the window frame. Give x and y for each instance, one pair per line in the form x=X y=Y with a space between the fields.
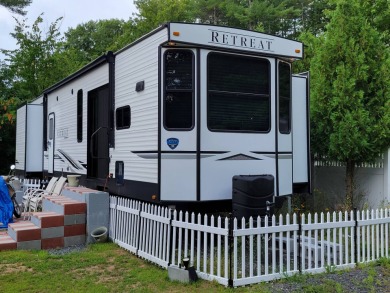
x=79 y=114
x=166 y=91
x=290 y=98
x=51 y=128
x=269 y=96
x=116 y=117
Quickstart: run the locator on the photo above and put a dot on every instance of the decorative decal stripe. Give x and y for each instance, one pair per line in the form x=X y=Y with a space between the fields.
x=239 y=157
x=69 y=159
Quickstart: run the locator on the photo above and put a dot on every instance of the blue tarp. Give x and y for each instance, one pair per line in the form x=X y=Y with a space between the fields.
x=6 y=206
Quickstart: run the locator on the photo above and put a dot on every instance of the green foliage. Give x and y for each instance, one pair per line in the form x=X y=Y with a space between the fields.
x=350 y=90
x=153 y=13
x=378 y=15
x=16 y=6
x=90 y=40
x=33 y=66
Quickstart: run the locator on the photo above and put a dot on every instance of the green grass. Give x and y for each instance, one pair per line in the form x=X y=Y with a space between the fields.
x=109 y=268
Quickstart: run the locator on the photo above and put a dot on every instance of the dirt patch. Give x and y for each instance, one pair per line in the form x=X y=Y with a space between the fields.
x=14 y=268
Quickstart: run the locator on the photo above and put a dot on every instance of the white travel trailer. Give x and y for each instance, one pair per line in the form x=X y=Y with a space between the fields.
x=174 y=116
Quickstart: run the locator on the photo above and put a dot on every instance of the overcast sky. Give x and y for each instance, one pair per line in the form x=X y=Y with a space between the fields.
x=73 y=12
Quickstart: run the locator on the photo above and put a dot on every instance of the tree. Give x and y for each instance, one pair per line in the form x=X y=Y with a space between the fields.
x=16 y=6
x=90 y=40
x=350 y=91
x=33 y=64
x=153 y=13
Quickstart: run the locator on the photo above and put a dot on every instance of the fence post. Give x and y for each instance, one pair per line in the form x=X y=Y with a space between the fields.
x=139 y=228
x=115 y=199
x=299 y=241
x=230 y=282
x=170 y=236
x=355 y=235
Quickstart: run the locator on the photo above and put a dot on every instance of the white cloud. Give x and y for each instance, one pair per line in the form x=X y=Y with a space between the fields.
x=74 y=12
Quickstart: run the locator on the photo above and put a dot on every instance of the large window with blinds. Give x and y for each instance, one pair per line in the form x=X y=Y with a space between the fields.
x=238 y=93
x=179 y=90
x=284 y=97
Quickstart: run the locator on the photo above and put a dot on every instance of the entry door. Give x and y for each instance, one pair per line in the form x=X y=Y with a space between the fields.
x=98 y=133
x=50 y=143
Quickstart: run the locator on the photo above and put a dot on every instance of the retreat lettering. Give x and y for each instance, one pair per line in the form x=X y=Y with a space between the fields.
x=229 y=39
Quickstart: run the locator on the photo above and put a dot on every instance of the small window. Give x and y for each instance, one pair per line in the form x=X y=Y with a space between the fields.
x=79 y=115
x=284 y=98
x=179 y=90
x=119 y=172
x=51 y=128
x=123 y=117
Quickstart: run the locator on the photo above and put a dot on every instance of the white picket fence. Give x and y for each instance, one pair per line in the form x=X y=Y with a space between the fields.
x=30 y=184
x=238 y=252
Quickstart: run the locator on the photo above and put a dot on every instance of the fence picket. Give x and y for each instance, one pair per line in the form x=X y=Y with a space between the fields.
x=235 y=250
x=180 y=239
x=258 y=247
x=192 y=239
x=387 y=215
x=295 y=243
x=226 y=248
x=174 y=239
x=377 y=248
x=281 y=246
x=266 y=235
x=205 y=245
x=219 y=249
x=198 y=245
x=212 y=247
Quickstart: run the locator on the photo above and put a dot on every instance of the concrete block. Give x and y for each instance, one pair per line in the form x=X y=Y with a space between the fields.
x=74 y=240
x=53 y=232
x=74 y=219
x=63 y=205
x=29 y=245
x=24 y=231
x=52 y=243
x=74 y=230
x=7 y=243
x=180 y=274
x=47 y=219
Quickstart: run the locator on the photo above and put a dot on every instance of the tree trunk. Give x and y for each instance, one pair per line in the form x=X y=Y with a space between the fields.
x=349 y=184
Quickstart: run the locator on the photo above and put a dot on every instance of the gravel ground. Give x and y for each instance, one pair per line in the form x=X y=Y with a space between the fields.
x=368 y=279
x=66 y=250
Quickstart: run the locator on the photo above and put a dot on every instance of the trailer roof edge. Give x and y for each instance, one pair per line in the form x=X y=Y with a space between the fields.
x=98 y=61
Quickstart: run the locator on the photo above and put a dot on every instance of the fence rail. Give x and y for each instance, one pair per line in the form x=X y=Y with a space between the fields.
x=240 y=252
